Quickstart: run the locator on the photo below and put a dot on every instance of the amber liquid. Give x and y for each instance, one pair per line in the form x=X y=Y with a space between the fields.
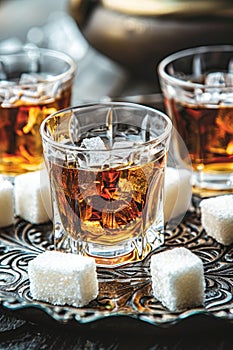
x=20 y=140
x=207 y=133
x=110 y=206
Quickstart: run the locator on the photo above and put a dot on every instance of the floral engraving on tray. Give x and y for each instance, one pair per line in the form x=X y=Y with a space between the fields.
x=124 y=290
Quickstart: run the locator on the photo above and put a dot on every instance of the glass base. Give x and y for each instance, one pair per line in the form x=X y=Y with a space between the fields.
x=112 y=255
x=212 y=184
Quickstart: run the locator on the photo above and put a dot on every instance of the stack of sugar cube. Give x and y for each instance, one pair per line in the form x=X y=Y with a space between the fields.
x=6 y=203
x=217 y=218
x=177 y=279
x=63 y=278
x=29 y=198
x=32 y=197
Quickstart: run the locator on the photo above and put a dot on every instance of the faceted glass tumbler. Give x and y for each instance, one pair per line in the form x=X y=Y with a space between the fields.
x=197 y=86
x=106 y=164
x=34 y=83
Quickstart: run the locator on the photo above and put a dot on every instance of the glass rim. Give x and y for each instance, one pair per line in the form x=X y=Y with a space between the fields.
x=185 y=53
x=58 y=145
x=27 y=51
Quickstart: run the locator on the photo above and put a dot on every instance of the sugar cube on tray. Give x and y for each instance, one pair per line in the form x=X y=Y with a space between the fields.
x=63 y=278
x=32 y=197
x=177 y=279
x=217 y=218
x=6 y=203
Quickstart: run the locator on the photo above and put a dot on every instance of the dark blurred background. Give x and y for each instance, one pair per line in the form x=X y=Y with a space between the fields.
x=117 y=44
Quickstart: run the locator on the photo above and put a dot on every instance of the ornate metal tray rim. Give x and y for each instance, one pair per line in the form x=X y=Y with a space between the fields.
x=124 y=291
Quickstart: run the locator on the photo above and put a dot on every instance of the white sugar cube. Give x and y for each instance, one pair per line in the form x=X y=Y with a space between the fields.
x=6 y=203
x=217 y=218
x=177 y=192
x=30 y=194
x=63 y=278
x=178 y=279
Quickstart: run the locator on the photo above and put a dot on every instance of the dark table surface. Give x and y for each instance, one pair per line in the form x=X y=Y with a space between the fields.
x=20 y=329
x=199 y=333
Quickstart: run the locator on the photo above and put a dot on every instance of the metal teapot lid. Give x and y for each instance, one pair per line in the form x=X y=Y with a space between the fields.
x=171 y=7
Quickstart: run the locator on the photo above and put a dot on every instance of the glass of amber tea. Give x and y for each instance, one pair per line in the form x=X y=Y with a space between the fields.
x=33 y=84
x=197 y=85
x=106 y=164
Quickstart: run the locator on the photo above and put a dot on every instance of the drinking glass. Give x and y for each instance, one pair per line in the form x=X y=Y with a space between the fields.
x=197 y=86
x=33 y=84
x=106 y=164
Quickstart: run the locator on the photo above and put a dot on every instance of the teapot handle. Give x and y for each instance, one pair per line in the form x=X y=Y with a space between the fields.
x=80 y=10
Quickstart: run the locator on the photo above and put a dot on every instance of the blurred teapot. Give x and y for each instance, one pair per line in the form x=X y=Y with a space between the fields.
x=138 y=34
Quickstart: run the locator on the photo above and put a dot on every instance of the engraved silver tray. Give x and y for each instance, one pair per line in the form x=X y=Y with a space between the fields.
x=123 y=291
